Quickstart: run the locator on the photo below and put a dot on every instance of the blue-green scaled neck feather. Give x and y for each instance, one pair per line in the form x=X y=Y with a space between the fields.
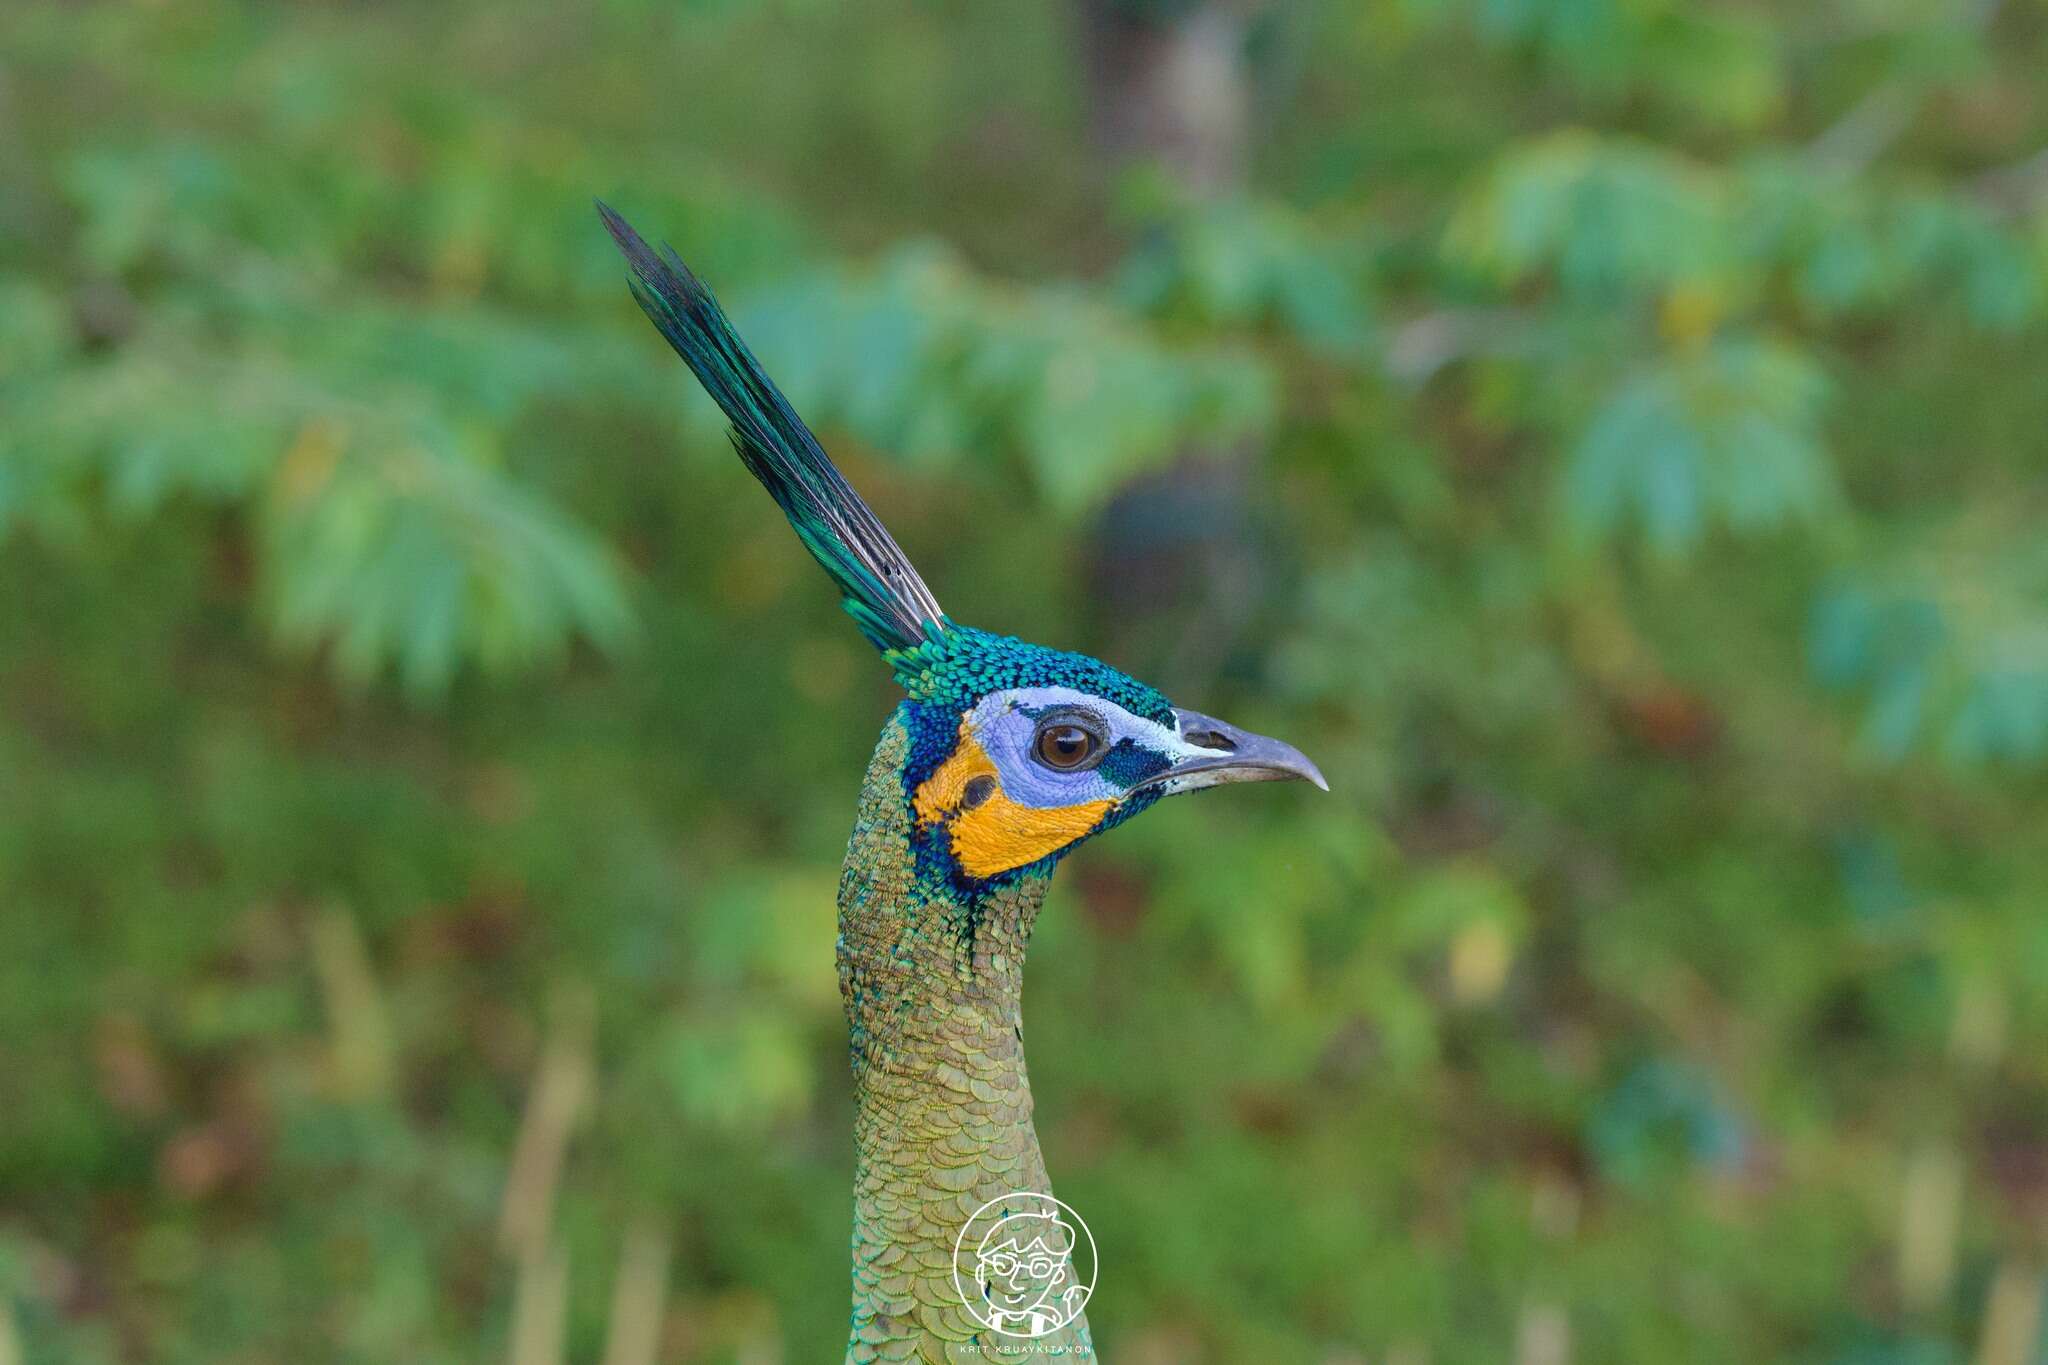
x=933 y=984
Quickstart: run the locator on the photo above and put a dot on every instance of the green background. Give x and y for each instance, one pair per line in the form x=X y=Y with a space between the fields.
x=1607 y=435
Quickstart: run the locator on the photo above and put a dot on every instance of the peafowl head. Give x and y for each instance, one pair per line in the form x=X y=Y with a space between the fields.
x=1017 y=752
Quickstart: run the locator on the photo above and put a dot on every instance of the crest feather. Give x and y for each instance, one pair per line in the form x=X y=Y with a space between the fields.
x=883 y=592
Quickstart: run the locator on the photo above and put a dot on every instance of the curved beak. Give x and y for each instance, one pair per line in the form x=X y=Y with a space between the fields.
x=1214 y=753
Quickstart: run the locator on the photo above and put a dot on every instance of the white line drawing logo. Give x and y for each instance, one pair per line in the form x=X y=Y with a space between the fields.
x=1018 y=1263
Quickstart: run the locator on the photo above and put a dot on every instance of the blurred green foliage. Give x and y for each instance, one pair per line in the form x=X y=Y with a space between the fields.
x=1617 y=434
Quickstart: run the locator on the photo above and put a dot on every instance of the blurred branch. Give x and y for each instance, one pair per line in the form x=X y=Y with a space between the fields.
x=1544 y=1336
x=1859 y=137
x=1170 y=86
x=361 y=1045
x=1422 y=346
x=2016 y=190
x=638 y=1297
x=1846 y=147
x=540 y=1308
x=1930 y=1216
x=2012 y=1316
x=561 y=1090
x=1977 y=1033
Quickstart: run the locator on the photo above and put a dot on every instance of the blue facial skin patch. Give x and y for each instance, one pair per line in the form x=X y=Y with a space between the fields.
x=1005 y=724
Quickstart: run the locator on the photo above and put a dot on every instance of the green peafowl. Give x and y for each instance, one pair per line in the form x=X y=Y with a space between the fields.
x=1002 y=758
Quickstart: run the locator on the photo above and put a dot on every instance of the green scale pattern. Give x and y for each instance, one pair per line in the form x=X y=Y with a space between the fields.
x=933 y=987
x=956 y=666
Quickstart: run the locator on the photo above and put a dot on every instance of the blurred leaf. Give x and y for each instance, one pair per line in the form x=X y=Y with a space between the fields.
x=414 y=553
x=1660 y=1117
x=1607 y=217
x=1238 y=263
x=741 y=1070
x=1971 y=668
x=1728 y=434
x=923 y=358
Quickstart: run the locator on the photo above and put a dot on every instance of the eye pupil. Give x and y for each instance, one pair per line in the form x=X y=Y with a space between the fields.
x=1065 y=745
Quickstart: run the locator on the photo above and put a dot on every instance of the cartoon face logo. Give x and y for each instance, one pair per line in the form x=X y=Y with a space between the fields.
x=1015 y=1265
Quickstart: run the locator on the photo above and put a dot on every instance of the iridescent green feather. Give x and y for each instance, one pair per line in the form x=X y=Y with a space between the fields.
x=882 y=592
x=965 y=664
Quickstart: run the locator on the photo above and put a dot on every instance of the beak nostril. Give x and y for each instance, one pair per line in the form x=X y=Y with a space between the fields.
x=1214 y=752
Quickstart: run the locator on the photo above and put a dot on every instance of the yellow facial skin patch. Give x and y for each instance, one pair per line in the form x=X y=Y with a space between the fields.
x=998 y=834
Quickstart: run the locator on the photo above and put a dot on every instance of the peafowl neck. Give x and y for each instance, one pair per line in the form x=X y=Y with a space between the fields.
x=932 y=979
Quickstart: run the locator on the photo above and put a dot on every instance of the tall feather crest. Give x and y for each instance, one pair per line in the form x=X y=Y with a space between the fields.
x=883 y=593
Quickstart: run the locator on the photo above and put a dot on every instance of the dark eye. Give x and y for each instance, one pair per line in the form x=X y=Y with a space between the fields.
x=1063 y=744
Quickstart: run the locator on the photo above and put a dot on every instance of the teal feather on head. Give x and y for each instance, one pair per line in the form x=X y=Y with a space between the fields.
x=883 y=593
x=966 y=664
